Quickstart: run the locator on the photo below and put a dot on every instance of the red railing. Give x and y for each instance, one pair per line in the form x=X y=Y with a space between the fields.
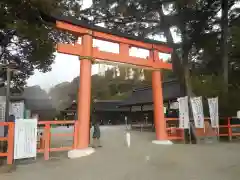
x=173 y=130
x=225 y=130
x=174 y=133
x=45 y=139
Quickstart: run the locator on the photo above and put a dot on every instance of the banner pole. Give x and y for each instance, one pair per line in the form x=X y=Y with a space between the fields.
x=190 y=135
x=184 y=135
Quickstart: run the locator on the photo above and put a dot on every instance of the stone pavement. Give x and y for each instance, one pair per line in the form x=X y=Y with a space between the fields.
x=142 y=161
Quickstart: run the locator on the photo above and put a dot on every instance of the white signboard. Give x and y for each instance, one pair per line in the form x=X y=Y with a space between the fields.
x=25 y=139
x=136 y=108
x=197 y=109
x=183 y=112
x=2 y=117
x=213 y=109
x=17 y=109
x=174 y=105
x=147 y=108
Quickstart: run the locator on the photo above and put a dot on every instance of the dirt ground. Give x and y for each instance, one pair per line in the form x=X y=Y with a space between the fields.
x=142 y=161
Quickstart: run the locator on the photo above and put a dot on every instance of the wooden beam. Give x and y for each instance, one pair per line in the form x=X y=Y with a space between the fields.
x=136 y=61
x=112 y=38
x=75 y=50
x=108 y=56
x=122 y=57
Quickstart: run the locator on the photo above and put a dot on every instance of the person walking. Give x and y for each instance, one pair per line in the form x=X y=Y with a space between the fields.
x=96 y=134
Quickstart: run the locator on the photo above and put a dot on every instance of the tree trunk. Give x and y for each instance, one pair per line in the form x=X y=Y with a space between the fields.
x=176 y=60
x=224 y=43
x=186 y=72
x=180 y=65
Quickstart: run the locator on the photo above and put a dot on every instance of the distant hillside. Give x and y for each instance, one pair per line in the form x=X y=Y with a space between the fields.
x=37 y=100
x=35 y=92
x=63 y=94
x=31 y=92
x=103 y=87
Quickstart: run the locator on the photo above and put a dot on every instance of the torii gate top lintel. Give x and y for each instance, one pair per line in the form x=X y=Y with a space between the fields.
x=125 y=42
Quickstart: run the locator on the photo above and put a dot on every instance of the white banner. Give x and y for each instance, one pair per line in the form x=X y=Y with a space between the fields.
x=213 y=110
x=197 y=109
x=25 y=139
x=2 y=118
x=183 y=113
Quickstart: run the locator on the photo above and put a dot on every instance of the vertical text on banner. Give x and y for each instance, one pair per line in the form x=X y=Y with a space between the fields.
x=25 y=139
x=197 y=109
x=213 y=110
x=183 y=112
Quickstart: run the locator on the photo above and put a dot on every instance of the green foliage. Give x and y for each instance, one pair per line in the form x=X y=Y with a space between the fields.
x=28 y=42
x=25 y=39
x=211 y=86
x=198 y=24
x=207 y=86
x=199 y=51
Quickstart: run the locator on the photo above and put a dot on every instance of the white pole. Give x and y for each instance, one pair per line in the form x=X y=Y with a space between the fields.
x=126 y=122
x=218 y=132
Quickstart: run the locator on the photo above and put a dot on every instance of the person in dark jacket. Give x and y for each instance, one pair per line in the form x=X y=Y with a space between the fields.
x=96 y=134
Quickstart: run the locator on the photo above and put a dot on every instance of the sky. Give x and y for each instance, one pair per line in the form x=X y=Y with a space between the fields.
x=67 y=67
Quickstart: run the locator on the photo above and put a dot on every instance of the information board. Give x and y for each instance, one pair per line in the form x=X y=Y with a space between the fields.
x=25 y=139
x=17 y=109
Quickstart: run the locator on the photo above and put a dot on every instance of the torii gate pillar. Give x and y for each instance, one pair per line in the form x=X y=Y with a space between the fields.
x=159 y=121
x=81 y=140
x=84 y=94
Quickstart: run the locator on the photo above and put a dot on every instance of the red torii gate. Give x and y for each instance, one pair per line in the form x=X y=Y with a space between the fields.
x=88 y=54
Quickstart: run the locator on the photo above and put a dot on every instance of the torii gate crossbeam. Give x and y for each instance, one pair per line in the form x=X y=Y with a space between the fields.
x=89 y=54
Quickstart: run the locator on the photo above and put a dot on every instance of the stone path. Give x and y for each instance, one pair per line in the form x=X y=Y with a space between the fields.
x=142 y=161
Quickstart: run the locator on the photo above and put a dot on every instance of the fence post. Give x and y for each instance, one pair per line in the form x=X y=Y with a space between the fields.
x=182 y=135
x=47 y=141
x=75 y=135
x=10 y=149
x=229 y=129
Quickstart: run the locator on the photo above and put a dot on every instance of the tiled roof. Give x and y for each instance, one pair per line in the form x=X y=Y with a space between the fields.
x=102 y=105
x=108 y=105
x=171 y=91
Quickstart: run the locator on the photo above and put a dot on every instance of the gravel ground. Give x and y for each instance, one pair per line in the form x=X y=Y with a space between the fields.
x=142 y=161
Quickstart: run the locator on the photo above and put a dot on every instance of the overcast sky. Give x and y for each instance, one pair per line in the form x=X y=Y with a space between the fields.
x=65 y=68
